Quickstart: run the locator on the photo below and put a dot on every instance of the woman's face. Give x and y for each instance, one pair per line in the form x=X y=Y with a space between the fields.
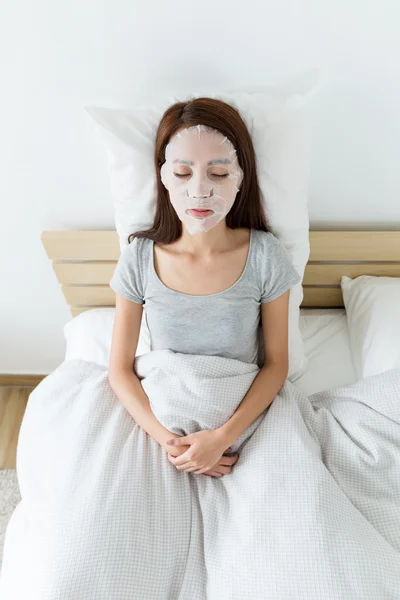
x=203 y=176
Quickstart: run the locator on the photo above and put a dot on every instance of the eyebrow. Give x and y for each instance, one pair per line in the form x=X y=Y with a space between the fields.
x=216 y=161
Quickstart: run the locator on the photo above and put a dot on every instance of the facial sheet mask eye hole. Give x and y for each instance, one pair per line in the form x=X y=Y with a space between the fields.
x=201 y=171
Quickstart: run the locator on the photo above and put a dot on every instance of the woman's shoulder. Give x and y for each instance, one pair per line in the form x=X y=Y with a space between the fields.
x=139 y=242
x=139 y=248
x=272 y=256
x=129 y=278
x=134 y=257
x=266 y=241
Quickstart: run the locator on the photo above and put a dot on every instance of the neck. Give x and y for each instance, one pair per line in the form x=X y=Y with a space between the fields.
x=218 y=238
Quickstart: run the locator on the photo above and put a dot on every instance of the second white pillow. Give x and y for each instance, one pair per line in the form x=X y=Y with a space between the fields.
x=373 y=316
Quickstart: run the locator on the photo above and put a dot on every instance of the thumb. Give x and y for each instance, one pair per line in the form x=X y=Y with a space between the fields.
x=185 y=440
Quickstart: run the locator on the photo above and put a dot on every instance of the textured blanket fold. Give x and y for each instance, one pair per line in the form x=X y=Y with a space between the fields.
x=204 y=398
x=310 y=511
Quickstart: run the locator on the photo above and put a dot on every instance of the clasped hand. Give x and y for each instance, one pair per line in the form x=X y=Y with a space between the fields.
x=204 y=452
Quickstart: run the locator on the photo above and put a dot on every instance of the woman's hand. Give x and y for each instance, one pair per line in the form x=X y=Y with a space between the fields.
x=205 y=451
x=223 y=467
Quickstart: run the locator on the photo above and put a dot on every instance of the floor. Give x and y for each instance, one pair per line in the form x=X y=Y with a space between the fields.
x=13 y=402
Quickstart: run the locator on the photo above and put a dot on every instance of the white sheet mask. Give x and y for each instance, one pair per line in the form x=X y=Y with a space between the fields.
x=201 y=171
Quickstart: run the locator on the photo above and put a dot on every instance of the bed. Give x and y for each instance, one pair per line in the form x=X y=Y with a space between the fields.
x=312 y=511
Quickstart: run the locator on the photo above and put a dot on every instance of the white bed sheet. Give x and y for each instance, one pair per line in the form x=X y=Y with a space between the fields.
x=327 y=346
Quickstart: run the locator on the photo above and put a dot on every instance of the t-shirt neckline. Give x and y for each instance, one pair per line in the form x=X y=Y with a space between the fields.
x=156 y=277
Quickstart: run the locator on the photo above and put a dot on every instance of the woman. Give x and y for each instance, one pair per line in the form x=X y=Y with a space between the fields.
x=210 y=276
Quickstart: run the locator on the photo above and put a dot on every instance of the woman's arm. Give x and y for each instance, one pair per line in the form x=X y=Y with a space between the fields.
x=272 y=375
x=123 y=379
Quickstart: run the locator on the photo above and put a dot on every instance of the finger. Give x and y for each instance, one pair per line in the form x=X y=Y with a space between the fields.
x=224 y=469
x=171 y=457
x=200 y=471
x=228 y=460
x=180 y=441
x=182 y=459
x=183 y=463
x=213 y=473
x=172 y=452
x=190 y=469
x=186 y=466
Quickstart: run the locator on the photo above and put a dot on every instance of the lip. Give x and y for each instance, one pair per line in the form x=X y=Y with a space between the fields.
x=200 y=213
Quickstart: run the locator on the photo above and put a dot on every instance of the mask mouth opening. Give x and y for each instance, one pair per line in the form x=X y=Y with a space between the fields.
x=207 y=212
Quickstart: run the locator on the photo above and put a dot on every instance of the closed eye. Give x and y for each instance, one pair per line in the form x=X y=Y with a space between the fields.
x=183 y=175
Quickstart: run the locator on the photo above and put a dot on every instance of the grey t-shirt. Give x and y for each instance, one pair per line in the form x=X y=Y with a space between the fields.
x=227 y=323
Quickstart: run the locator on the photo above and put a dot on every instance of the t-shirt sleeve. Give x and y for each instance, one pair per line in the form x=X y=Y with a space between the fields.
x=127 y=278
x=279 y=273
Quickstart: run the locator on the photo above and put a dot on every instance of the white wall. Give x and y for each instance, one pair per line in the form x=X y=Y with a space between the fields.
x=60 y=56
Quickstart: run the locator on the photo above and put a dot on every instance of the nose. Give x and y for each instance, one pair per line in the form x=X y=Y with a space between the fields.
x=200 y=195
x=200 y=191
x=199 y=188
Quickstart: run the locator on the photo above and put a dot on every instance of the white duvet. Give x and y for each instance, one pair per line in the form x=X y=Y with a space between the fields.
x=311 y=510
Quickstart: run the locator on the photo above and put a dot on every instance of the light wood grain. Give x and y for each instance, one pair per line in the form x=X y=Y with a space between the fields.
x=85 y=272
x=319 y=297
x=77 y=310
x=19 y=380
x=375 y=246
x=99 y=295
x=81 y=245
x=372 y=246
x=89 y=273
x=13 y=403
x=84 y=262
x=331 y=274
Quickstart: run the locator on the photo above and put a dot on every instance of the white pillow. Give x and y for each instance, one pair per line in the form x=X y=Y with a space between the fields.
x=89 y=335
x=277 y=122
x=373 y=316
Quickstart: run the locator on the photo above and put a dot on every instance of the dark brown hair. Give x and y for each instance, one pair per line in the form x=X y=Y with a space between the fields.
x=247 y=210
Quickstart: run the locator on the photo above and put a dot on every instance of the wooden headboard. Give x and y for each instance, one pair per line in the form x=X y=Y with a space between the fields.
x=84 y=262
